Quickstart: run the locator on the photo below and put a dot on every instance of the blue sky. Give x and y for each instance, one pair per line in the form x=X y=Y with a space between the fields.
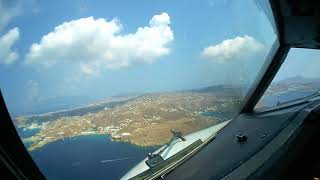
x=104 y=48
x=300 y=62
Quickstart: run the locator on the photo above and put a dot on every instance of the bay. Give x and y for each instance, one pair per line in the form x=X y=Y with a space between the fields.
x=88 y=157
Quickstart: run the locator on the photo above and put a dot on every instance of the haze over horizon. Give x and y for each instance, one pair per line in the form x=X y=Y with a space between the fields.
x=95 y=50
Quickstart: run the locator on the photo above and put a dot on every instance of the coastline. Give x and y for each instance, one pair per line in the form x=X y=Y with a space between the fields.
x=109 y=138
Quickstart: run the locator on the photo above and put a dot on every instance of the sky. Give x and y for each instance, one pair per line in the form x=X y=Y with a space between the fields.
x=56 y=49
x=300 y=62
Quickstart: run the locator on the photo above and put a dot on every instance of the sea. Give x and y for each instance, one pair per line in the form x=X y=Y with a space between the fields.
x=97 y=156
x=87 y=157
x=270 y=101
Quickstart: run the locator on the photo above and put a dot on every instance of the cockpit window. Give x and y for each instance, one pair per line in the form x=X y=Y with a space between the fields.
x=298 y=77
x=94 y=86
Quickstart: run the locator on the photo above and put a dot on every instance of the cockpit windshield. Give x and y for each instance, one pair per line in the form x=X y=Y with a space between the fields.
x=298 y=78
x=94 y=86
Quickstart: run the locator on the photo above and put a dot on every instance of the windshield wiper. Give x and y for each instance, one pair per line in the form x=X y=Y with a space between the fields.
x=156 y=158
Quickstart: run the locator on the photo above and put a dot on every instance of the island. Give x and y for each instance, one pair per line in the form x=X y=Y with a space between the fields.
x=143 y=120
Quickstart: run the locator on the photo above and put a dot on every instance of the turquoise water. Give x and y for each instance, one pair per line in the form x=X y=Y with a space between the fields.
x=88 y=157
x=25 y=133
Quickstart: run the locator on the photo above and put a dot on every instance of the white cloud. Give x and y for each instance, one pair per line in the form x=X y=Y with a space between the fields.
x=241 y=47
x=7 y=12
x=7 y=55
x=89 y=70
x=99 y=44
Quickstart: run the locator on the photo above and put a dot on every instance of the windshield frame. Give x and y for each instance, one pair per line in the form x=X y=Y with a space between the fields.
x=273 y=62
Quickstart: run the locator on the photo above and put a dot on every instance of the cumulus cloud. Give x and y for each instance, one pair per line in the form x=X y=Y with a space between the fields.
x=100 y=44
x=241 y=47
x=8 y=10
x=7 y=55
